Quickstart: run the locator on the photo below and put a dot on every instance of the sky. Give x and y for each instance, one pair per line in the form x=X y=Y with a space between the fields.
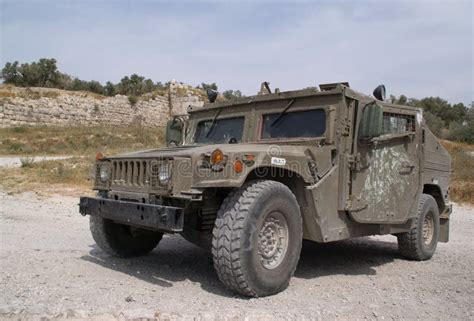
x=417 y=48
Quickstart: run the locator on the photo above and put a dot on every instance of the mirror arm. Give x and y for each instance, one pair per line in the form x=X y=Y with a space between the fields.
x=386 y=137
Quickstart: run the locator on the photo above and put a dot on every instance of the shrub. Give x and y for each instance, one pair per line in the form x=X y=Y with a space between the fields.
x=231 y=94
x=18 y=130
x=133 y=100
x=435 y=124
x=212 y=86
x=461 y=131
x=27 y=161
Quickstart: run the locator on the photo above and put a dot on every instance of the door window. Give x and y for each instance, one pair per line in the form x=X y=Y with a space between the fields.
x=398 y=123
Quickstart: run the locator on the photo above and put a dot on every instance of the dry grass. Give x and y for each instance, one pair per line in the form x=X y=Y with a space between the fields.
x=77 y=140
x=68 y=176
x=9 y=91
x=462 y=178
x=74 y=174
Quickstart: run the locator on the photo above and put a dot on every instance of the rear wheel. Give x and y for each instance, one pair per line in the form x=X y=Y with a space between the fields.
x=257 y=238
x=122 y=240
x=420 y=242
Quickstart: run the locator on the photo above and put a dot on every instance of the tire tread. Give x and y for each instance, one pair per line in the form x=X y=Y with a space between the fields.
x=408 y=243
x=228 y=233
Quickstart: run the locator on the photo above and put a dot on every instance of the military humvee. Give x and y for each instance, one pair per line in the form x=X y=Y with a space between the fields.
x=250 y=178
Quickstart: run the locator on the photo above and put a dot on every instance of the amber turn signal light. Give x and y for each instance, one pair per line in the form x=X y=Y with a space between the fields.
x=217 y=157
x=249 y=157
x=99 y=156
x=238 y=166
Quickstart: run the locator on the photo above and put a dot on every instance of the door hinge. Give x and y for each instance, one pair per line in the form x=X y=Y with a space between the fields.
x=353 y=161
x=346 y=130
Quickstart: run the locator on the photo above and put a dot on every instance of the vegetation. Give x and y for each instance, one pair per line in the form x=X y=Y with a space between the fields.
x=73 y=176
x=205 y=86
x=231 y=94
x=26 y=141
x=454 y=122
x=133 y=100
x=27 y=161
x=45 y=73
x=462 y=178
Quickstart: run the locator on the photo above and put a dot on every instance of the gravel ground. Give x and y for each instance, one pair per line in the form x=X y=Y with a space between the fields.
x=50 y=268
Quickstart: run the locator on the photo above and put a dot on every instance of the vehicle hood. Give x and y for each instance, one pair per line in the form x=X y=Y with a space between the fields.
x=190 y=150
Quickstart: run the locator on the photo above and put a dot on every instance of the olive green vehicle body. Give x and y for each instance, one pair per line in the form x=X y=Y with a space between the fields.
x=346 y=186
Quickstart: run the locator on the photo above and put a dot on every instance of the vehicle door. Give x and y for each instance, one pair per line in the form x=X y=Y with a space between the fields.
x=385 y=181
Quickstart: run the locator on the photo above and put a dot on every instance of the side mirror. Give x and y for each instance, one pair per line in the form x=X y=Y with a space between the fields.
x=174 y=132
x=212 y=95
x=371 y=124
x=379 y=92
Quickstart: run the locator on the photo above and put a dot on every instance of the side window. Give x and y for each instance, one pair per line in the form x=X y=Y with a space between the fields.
x=398 y=123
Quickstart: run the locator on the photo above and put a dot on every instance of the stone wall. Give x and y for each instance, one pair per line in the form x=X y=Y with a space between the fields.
x=54 y=107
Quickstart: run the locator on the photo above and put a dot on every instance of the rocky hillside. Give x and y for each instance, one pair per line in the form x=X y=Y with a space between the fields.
x=54 y=107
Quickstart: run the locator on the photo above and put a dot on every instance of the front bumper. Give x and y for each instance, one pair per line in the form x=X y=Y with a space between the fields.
x=157 y=217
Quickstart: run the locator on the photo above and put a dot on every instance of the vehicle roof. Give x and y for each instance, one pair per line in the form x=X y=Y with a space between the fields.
x=339 y=89
x=268 y=97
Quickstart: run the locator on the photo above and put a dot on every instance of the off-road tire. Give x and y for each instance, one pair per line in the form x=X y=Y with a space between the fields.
x=411 y=244
x=238 y=229
x=122 y=240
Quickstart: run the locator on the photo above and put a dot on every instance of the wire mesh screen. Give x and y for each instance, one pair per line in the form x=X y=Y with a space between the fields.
x=398 y=123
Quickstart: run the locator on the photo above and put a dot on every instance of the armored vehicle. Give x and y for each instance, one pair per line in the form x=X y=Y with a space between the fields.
x=251 y=178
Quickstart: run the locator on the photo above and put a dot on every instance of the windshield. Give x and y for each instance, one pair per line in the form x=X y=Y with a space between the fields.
x=223 y=131
x=308 y=123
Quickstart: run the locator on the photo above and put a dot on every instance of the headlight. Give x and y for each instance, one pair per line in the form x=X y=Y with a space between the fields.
x=104 y=173
x=164 y=175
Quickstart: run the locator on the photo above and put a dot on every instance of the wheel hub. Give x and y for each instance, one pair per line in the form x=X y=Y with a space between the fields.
x=273 y=240
x=428 y=229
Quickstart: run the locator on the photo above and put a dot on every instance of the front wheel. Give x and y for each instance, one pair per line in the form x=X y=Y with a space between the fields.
x=257 y=238
x=122 y=240
x=420 y=242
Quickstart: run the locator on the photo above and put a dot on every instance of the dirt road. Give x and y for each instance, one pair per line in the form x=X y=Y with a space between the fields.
x=51 y=268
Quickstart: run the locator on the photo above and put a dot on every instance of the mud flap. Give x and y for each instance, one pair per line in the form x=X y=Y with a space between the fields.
x=444 y=224
x=443 y=230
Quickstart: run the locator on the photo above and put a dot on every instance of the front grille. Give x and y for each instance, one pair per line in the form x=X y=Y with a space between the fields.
x=136 y=176
x=133 y=173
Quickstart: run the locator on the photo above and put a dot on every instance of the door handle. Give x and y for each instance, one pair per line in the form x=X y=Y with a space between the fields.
x=408 y=166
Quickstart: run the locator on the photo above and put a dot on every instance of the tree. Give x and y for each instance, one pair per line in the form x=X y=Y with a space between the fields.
x=43 y=73
x=435 y=124
x=48 y=72
x=212 y=86
x=136 y=85
x=110 y=89
x=402 y=100
x=11 y=74
x=231 y=94
x=95 y=87
x=463 y=130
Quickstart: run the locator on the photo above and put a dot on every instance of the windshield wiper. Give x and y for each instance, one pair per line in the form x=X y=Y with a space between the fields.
x=213 y=123
x=283 y=113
